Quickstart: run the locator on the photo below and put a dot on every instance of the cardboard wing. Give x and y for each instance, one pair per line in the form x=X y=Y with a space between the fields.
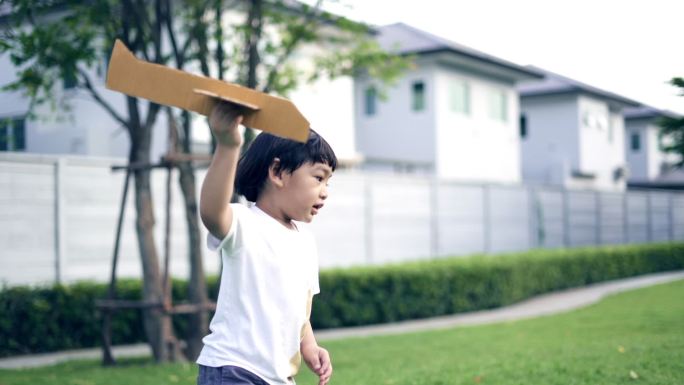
x=169 y=86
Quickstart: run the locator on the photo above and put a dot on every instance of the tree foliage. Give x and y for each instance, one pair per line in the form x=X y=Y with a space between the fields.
x=672 y=127
x=256 y=43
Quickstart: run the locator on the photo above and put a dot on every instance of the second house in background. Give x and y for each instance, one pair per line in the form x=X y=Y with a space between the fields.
x=455 y=115
x=649 y=165
x=572 y=134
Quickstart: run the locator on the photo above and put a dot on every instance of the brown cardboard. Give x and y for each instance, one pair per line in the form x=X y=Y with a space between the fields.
x=169 y=86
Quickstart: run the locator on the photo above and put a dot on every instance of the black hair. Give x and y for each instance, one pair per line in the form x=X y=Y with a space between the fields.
x=252 y=168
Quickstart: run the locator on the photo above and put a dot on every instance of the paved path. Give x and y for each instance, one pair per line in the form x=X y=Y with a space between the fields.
x=553 y=303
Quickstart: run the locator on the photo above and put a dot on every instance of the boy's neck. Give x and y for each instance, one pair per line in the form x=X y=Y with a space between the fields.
x=271 y=209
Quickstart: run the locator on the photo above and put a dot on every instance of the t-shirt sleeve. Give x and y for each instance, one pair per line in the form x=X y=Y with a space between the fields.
x=230 y=241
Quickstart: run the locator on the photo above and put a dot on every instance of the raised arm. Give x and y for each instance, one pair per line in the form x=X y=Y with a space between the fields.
x=217 y=188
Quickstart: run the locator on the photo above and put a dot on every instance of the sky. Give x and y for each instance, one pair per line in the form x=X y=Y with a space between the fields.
x=629 y=47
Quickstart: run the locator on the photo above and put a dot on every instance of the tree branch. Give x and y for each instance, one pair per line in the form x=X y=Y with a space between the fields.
x=218 y=37
x=89 y=86
x=139 y=41
x=289 y=48
x=168 y=19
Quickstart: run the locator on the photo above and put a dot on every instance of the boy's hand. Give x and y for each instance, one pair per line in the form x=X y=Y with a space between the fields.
x=318 y=360
x=224 y=121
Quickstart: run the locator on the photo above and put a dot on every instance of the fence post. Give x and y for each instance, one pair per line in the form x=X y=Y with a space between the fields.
x=597 y=202
x=533 y=240
x=649 y=217
x=368 y=219
x=566 y=217
x=60 y=165
x=434 y=219
x=670 y=206
x=486 y=221
x=625 y=217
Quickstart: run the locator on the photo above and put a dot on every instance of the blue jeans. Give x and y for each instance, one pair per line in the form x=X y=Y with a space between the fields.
x=227 y=375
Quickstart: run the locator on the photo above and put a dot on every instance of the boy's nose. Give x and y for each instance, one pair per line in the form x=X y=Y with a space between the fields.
x=324 y=193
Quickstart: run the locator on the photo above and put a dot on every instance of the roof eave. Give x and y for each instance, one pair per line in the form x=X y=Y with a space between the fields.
x=526 y=73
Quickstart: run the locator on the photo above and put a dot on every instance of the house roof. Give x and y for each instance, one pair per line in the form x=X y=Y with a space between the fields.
x=647 y=112
x=404 y=39
x=554 y=83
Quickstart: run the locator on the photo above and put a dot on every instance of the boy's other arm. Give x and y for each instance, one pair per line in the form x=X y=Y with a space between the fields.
x=217 y=188
x=316 y=358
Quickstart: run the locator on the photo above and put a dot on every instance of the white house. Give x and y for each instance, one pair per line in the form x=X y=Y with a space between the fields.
x=454 y=115
x=643 y=144
x=648 y=163
x=572 y=134
x=87 y=129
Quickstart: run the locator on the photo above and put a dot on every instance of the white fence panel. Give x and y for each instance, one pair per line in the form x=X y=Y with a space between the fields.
x=58 y=218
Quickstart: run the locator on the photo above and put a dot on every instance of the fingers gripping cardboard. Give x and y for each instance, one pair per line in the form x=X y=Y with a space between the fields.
x=169 y=86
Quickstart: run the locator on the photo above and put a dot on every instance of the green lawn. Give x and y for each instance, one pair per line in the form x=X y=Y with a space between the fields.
x=635 y=337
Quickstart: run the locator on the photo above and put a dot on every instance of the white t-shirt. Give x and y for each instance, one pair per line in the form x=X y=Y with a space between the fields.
x=269 y=273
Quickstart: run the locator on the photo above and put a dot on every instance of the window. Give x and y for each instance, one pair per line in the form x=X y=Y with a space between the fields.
x=460 y=97
x=523 y=126
x=635 y=141
x=12 y=134
x=371 y=98
x=595 y=120
x=418 y=96
x=498 y=105
x=69 y=80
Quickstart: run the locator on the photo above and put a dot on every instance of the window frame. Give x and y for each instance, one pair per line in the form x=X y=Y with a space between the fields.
x=635 y=145
x=11 y=128
x=460 y=97
x=498 y=105
x=418 y=96
x=370 y=101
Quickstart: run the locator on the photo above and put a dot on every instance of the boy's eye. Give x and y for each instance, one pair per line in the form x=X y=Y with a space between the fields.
x=319 y=178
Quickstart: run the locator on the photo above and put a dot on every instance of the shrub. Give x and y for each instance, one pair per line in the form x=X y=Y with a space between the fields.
x=43 y=319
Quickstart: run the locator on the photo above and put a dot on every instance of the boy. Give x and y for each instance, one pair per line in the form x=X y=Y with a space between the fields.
x=261 y=329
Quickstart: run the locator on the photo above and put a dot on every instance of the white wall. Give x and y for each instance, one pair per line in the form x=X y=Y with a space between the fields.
x=601 y=144
x=329 y=107
x=11 y=103
x=475 y=146
x=396 y=133
x=551 y=149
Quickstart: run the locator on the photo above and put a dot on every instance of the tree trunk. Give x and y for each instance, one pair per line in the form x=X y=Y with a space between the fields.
x=154 y=322
x=197 y=287
x=158 y=326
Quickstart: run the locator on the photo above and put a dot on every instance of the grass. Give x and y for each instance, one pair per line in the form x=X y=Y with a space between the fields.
x=635 y=337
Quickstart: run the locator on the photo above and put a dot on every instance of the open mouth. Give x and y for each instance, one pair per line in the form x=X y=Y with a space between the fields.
x=317 y=207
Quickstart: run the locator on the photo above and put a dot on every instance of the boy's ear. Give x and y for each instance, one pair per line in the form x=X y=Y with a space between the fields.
x=275 y=173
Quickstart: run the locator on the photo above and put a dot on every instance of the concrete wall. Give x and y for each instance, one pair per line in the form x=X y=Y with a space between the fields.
x=58 y=218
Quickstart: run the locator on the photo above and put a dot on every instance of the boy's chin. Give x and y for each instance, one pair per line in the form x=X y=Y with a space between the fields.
x=307 y=219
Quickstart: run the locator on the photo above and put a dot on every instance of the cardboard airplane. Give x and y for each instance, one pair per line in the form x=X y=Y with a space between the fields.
x=169 y=86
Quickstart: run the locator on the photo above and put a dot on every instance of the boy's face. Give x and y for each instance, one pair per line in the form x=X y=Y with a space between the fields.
x=305 y=190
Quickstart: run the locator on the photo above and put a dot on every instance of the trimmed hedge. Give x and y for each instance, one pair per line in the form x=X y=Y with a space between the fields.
x=369 y=295
x=36 y=320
